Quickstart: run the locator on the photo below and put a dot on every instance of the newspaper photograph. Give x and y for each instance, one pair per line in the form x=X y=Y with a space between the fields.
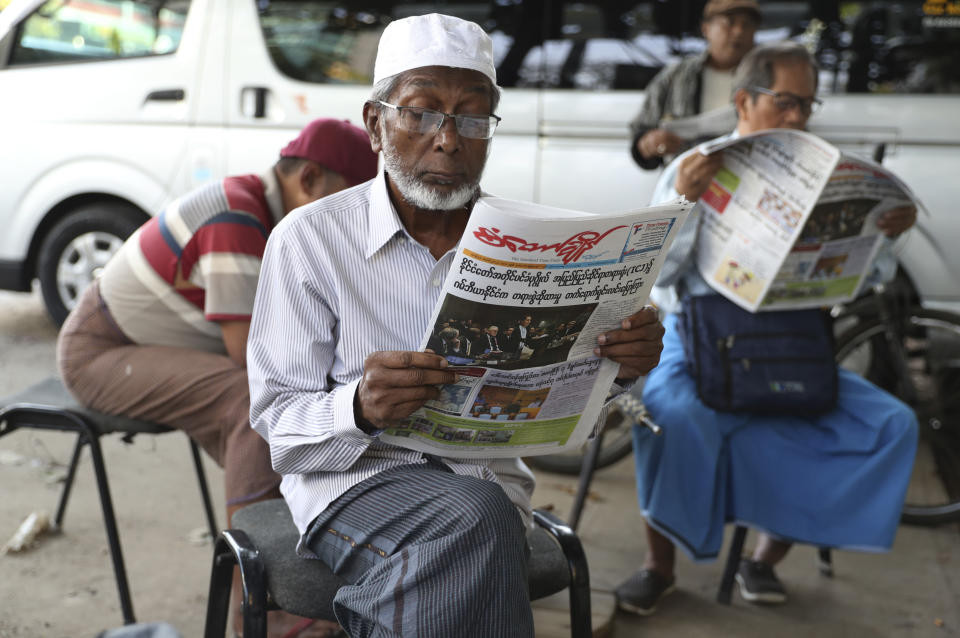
x=530 y=290
x=789 y=221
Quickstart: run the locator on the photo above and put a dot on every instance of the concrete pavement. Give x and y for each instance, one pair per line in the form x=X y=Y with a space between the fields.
x=64 y=586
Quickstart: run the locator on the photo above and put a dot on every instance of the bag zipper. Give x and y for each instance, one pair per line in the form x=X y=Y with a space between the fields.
x=770 y=335
x=724 y=345
x=747 y=362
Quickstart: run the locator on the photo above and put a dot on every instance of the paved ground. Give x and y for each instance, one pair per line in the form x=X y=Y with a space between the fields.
x=64 y=586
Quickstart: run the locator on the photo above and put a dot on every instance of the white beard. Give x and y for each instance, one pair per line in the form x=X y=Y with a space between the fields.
x=419 y=194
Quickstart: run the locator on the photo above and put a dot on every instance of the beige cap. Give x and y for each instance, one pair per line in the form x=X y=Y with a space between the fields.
x=433 y=40
x=718 y=7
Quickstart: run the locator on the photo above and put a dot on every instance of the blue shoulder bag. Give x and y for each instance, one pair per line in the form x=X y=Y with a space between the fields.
x=778 y=362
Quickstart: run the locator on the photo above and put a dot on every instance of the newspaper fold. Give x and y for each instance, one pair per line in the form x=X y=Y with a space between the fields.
x=790 y=222
x=534 y=386
x=706 y=125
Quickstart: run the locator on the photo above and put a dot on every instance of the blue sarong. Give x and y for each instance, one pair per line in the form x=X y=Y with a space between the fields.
x=837 y=480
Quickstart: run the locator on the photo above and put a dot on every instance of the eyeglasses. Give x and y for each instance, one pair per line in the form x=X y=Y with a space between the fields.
x=424 y=121
x=789 y=101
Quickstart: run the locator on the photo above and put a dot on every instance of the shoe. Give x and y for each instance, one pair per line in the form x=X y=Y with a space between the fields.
x=759 y=584
x=640 y=593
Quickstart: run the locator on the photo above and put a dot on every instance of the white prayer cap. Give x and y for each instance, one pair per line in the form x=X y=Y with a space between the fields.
x=433 y=40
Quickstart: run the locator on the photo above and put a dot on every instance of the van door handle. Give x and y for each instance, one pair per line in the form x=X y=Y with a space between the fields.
x=165 y=95
x=253 y=101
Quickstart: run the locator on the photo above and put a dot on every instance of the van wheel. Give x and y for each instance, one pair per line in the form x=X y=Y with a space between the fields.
x=77 y=248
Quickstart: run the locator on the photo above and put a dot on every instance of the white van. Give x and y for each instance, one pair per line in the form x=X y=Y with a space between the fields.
x=110 y=108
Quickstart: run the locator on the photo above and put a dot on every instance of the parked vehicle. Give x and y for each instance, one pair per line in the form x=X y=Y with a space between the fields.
x=112 y=108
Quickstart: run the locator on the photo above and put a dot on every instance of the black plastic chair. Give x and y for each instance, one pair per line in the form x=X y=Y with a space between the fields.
x=49 y=406
x=263 y=544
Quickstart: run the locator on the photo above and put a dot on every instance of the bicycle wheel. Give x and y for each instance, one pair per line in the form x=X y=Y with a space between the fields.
x=931 y=345
x=617 y=443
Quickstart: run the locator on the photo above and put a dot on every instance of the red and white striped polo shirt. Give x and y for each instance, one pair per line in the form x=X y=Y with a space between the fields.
x=194 y=264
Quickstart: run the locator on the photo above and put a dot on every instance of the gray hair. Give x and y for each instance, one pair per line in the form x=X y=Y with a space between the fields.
x=757 y=67
x=448 y=334
x=383 y=89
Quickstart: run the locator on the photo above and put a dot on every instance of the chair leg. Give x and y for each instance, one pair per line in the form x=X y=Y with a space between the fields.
x=221 y=581
x=110 y=523
x=733 y=562
x=68 y=482
x=234 y=548
x=204 y=489
x=581 y=621
x=586 y=478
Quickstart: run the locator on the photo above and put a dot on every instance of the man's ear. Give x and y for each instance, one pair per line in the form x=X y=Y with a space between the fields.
x=371 y=120
x=741 y=100
x=311 y=176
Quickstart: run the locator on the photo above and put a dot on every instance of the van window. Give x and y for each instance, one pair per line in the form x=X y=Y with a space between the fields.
x=336 y=42
x=886 y=47
x=862 y=47
x=614 y=45
x=879 y=47
x=81 y=30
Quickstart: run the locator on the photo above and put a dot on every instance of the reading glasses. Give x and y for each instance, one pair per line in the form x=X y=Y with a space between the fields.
x=428 y=121
x=789 y=101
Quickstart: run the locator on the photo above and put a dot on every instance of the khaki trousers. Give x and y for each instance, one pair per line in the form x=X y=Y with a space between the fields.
x=204 y=394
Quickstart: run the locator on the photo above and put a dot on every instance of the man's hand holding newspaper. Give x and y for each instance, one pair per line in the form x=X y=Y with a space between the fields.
x=636 y=345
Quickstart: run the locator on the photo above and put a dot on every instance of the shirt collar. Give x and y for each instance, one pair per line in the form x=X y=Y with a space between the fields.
x=273 y=195
x=702 y=57
x=384 y=221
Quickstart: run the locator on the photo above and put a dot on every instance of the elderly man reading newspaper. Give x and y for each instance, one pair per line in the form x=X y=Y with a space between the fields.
x=835 y=480
x=430 y=546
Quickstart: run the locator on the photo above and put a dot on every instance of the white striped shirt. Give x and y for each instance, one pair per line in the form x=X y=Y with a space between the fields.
x=341 y=279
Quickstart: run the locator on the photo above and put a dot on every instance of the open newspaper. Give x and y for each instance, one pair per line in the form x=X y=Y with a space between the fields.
x=530 y=290
x=706 y=125
x=791 y=222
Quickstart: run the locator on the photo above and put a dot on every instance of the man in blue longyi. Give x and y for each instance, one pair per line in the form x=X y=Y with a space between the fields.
x=837 y=480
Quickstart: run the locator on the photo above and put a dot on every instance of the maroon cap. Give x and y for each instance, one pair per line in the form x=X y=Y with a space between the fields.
x=337 y=145
x=717 y=7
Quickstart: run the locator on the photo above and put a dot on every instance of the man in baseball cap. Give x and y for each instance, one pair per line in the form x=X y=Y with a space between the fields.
x=162 y=334
x=337 y=146
x=696 y=84
x=430 y=546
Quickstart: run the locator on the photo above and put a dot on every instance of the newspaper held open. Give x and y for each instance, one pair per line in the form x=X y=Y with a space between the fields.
x=702 y=126
x=530 y=290
x=791 y=222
